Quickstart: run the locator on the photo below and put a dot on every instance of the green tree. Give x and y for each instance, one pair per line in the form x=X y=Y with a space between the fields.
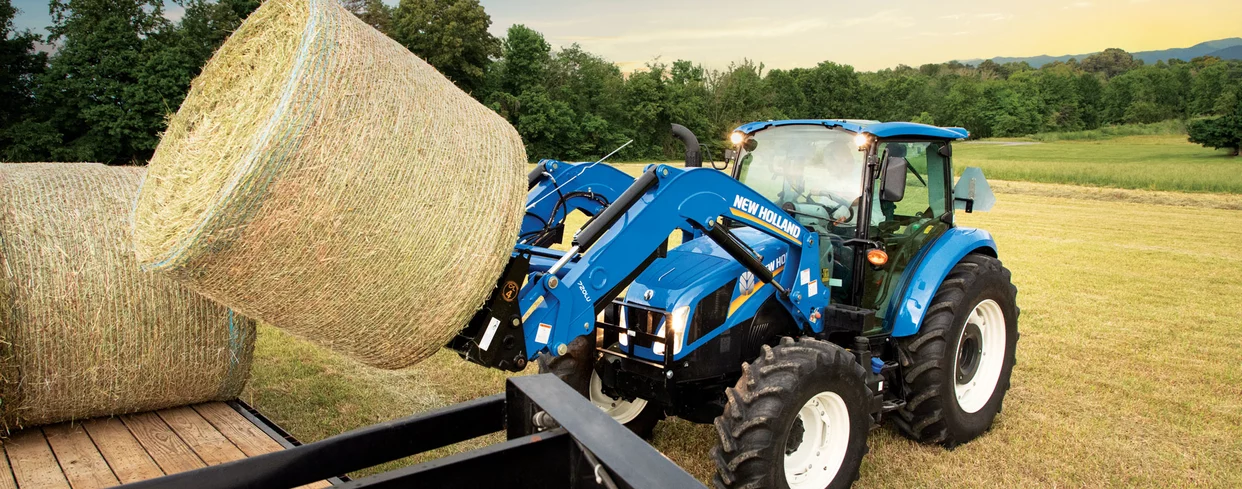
x=527 y=58
x=451 y=35
x=1224 y=132
x=1056 y=90
x=1090 y=90
x=20 y=65
x=105 y=93
x=739 y=95
x=546 y=125
x=924 y=118
x=686 y=104
x=788 y=101
x=831 y=90
x=206 y=24
x=647 y=119
x=594 y=89
x=1009 y=112
x=1111 y=62
x=1210 y=88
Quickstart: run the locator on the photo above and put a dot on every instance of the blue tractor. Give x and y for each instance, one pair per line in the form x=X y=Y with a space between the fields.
x=820 y=286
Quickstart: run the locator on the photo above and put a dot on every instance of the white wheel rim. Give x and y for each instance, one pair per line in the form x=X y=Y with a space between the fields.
x=826 y=438
x=975 y=392
x=620 y=409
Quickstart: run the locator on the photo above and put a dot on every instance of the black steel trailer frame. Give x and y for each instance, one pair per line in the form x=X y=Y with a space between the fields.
x=556 y=439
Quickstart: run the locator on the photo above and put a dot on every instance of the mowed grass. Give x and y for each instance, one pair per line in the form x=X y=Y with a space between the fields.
x=1128 y=374
x=1158 y=162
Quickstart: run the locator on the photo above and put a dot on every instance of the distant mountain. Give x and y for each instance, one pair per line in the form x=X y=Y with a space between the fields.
x=1224 y=48
x=1234 y=52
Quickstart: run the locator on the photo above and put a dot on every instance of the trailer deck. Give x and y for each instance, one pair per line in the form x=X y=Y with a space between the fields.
x=107 y=452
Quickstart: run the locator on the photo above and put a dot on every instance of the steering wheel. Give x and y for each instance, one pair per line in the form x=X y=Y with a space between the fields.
x=788 y=207
x=839 y=205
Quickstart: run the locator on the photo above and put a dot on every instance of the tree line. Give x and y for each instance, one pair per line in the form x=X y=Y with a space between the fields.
x=120 y=67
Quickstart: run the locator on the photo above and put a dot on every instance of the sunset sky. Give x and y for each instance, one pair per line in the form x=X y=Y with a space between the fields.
x=869 y=36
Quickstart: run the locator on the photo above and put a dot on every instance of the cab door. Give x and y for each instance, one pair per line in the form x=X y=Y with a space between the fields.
x=905 y=225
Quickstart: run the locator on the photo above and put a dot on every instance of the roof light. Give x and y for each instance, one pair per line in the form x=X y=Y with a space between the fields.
x=862 y=140
x=737 y=137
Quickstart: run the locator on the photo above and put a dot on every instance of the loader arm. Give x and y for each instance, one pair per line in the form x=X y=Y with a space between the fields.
x=541 y=309
x=556 y=189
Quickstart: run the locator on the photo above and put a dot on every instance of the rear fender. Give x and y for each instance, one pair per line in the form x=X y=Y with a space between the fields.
x=930 y=267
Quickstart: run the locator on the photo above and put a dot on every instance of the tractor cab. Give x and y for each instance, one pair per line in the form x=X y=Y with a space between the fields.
x=875 y=192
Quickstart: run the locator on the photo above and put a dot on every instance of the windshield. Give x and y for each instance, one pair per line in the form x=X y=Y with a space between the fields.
x=812 y=170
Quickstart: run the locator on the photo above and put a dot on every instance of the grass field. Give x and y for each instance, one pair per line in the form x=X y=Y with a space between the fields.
x=1128 y=369
x=1159 y=162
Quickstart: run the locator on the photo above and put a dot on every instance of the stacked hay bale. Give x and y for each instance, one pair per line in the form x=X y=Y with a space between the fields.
x=83 y=332
x=321 y=178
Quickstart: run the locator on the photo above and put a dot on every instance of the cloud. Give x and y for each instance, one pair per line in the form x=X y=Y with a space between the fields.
x=993 y=16
x=1076 y=5
x=887 y=18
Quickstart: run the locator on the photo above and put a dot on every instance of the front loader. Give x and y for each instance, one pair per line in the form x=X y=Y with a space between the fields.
x=818 y=286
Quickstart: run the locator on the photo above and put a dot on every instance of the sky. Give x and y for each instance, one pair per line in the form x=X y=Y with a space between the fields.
x=867 y=35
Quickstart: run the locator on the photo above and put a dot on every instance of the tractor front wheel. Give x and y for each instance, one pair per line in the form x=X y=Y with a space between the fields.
x=797 y=419
x=956 y=369
x=577 y=368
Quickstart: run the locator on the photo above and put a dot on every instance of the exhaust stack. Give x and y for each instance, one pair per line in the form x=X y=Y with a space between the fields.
x=694 y=159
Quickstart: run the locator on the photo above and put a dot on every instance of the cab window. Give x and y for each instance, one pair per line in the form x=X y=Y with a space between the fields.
x=815 y=174
x=906 y=225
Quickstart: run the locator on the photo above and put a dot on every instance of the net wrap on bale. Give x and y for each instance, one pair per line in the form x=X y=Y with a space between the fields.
x=84 y=332
x=321 y=178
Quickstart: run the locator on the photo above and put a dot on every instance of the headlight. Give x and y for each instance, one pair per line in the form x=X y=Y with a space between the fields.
x=736 y=138
x=678 y=318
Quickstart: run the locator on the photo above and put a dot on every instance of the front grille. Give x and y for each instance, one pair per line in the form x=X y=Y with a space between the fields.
x=638 y=318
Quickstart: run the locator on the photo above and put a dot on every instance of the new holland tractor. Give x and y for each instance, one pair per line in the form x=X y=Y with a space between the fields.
x=819 y=287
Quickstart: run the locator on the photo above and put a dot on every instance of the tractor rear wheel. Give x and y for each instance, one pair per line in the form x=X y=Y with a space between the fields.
x=956 y=369
x=577 y=368
x=797 y=419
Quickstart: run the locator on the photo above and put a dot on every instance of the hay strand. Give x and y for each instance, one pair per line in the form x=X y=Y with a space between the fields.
x=84 y=332
x=323 y=179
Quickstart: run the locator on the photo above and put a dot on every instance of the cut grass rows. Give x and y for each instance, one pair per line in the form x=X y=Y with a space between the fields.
x=1159 y=162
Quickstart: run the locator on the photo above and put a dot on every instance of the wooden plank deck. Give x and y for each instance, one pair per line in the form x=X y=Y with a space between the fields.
x=108 y=452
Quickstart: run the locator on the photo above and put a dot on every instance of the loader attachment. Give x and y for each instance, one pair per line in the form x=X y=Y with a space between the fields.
x=494 y=336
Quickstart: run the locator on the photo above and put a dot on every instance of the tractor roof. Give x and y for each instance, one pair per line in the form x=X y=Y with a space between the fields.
x=876 y=128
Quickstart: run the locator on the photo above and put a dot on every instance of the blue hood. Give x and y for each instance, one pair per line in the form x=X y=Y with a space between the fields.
x=699 y=267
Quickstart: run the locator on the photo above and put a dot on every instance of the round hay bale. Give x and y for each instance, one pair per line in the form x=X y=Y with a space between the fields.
x=83 y=331
x=321 y=178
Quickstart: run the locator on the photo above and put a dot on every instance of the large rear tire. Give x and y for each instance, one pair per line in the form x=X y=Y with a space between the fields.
x=577 y=368
x=956 y=370
x=797 y=419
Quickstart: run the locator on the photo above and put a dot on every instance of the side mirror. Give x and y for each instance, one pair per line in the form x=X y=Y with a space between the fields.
x=894 y=183
x=972 y=192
